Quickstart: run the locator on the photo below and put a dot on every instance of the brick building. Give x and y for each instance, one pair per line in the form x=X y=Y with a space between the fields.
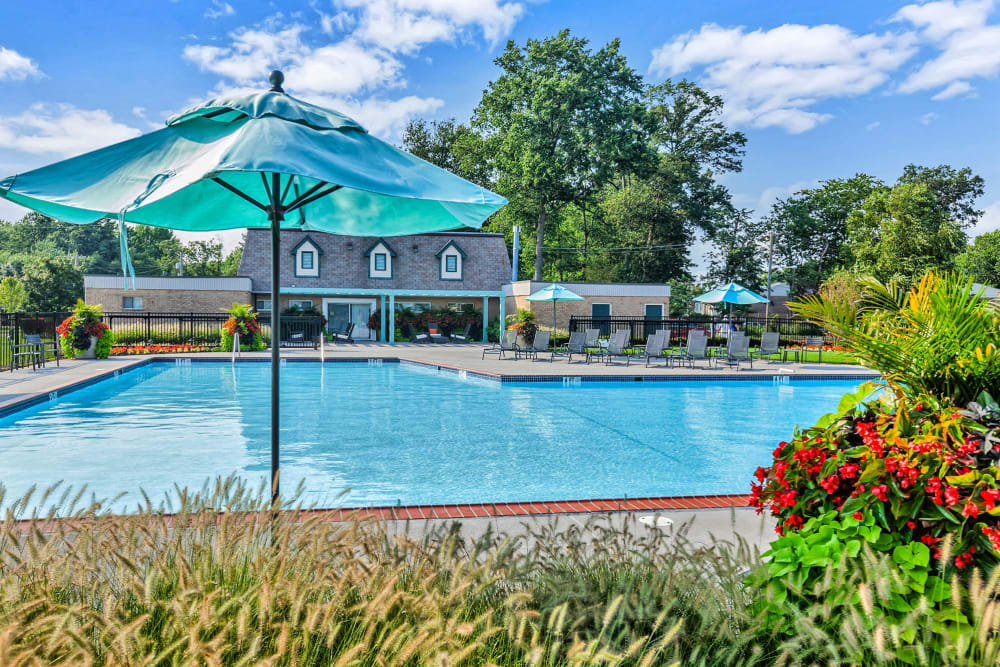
x=348 y=278
x=600 y=300
x=166 y=295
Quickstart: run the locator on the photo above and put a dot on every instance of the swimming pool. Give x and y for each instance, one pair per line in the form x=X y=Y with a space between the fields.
x=399 y=434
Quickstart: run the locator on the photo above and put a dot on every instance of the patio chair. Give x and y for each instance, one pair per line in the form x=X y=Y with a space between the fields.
x=617 y=345
x=770 y=345
x=462 y=337
x=577 y=345
x=31 y=351
x=345 y=334
x=655 y=346
x=738 y=351
x=508 y=343
x=539 y=344
x=695 y=350
x=434 y=333
x=593 y=338
x=818 y=342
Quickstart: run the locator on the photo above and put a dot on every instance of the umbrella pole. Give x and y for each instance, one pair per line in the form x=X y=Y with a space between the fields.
x=276 y=217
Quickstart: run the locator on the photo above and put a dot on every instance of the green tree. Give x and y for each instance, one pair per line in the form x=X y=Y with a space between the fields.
x=810 y=230
x=645 y=216
x=52 y=283
x=202 y=258
x=154 y=250
x=449 y=145
x=955 y=191
x=560 y=120
x=735 y=255
x=899 y=233
x=682 y=294
x=231 y=264
x=13 y=295
x=981 y=260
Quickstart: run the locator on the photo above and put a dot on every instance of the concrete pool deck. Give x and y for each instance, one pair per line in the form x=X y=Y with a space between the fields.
x=722 y=515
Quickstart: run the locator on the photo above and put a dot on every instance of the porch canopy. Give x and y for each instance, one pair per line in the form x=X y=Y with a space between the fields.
x=256 y=160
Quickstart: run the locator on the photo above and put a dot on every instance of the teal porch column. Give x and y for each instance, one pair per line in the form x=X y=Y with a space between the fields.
x=503 y=320
x=486 y=315
x=392 y=319
x=381 y=310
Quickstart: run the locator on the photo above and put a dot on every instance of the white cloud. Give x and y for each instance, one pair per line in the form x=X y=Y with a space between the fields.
x=990 y=222
x=62 y=130
x=928 y=118
x=872 y=126
x=406 y=25
x=967 y=45
x=954 y=88
x=773 y=77
x=772 y=194
x=15 y=67
x=385 y=118
x=219 y=9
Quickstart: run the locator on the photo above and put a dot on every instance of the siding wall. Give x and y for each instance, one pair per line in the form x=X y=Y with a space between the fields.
x=167 y=300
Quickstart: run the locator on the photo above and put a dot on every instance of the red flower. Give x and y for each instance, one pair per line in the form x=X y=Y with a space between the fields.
x=881 y=492
x=859 y=516
x=970 y=509
x=950 y=495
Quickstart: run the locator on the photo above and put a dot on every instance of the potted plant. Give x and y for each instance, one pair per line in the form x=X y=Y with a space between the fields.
x=83 y=335
x=243 y=321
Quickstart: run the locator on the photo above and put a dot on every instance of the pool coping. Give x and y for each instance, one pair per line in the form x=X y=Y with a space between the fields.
x=19 y=403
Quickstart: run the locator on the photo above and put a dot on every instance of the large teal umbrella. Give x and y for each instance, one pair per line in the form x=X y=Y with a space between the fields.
x=731 y=293
x=553 y=293
x=258 y=160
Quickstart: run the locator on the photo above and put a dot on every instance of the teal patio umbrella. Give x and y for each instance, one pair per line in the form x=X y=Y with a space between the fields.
x=259 y=160
x=731 y=293
x=553 y=293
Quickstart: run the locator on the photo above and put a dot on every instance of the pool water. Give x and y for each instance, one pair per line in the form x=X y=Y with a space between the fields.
x=362 y=435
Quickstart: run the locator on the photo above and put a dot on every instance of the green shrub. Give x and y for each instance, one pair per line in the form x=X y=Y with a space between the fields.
x=77 y=331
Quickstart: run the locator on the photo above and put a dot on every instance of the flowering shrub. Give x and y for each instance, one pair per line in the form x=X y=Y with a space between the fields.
x=242 y=320
x=450 y=321
x=160 y=349
x=76 y=331
x=912 y=477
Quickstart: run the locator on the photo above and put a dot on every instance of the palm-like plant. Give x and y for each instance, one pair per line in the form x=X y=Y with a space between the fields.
x=940 y=337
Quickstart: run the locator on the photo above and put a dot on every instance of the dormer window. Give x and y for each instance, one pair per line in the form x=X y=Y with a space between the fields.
x=452 y=258
x=307 y=254
x=380 y=260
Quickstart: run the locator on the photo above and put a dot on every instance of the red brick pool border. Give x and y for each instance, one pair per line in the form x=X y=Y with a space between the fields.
x=485 y=510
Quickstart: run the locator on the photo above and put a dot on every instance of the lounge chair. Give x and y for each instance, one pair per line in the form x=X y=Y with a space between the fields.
x=434 y=332
x=539 y=344
x=696 y=350
x=617 y=345
x=593 y=338
x=462 y=337
x=508 y=343
x=770 y=345
x=738 y=351
x=344 y=334
x=654 y=347
x=577 y=345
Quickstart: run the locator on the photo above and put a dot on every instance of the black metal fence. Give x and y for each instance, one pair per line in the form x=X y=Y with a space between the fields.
x=792 y=329
x=139 y=328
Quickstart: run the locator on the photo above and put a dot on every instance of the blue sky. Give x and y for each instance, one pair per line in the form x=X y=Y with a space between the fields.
x=822 y=90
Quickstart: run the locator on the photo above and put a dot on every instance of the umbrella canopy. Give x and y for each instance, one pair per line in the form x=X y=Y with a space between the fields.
x=258 y=160
x=731 y=293
x=553 y=293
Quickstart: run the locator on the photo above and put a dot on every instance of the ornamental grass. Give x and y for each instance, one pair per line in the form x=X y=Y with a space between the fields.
x=220 y=580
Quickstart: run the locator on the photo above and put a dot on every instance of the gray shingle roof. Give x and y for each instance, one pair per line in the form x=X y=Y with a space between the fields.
x=343 y=263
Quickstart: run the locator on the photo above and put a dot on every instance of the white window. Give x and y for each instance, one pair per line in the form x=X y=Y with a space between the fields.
x=307 y=259
x=452 y=259
x=415 y=306
x=303 y=304
x=132 y=303
x=461 y=306
x=263 y=305
x=380 y=261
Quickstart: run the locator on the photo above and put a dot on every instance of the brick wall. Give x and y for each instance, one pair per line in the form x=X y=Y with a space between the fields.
x=621 y=306
x=168 y=301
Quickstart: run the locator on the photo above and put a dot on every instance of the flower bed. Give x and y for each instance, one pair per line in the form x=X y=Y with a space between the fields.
x=242 y=320
x=161 y=349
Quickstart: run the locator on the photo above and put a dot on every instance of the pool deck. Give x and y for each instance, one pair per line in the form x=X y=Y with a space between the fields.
x=24 y=387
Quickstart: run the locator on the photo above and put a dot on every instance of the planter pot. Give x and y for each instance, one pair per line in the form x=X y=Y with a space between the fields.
x=90 y=352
